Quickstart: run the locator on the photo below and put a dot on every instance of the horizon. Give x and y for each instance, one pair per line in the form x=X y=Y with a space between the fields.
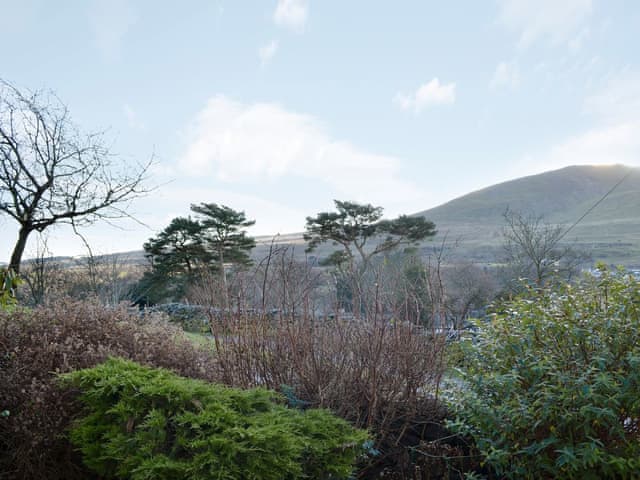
x=277 y=108
x=293 y=236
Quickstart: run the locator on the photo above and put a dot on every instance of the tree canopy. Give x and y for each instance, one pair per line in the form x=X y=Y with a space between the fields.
x=356 y=226
x=190 y=247
x=222 y=232
x=362 y=234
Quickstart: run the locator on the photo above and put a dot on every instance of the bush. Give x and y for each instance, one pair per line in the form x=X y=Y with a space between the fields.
x=551 y=387
x=380 y=371
x=36 y=344
x=146 y=423
x=378 y=375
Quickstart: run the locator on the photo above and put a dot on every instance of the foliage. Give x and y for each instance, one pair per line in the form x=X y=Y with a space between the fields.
x=59 y=337
x=354 y=224
x=9 y=282
x=222 y=227
x=51 y=173
x=149 y=423
x=179 y=247
x=177 y=254
x=551 y=385
x=379 y=374
x=355 y=227
x=188 y=248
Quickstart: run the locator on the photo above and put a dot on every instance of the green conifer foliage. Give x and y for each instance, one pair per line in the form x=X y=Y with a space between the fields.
x=144 y=423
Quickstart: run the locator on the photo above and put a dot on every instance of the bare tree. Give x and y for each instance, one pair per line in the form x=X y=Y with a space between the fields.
x=436 y=293
x=42 y=273
x=51 y=173
x=109 y=278
x=469 y=287
x=533 y=249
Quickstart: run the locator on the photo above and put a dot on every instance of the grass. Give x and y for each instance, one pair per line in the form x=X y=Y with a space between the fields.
x=200 y=339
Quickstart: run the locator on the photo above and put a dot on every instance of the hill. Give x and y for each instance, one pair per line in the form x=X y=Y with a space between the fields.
x=609 y=232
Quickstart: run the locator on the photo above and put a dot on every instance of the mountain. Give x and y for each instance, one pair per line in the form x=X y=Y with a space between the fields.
x=609 y=232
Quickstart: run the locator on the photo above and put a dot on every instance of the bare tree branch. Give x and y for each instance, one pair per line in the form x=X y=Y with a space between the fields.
x=533 y=249
x=51 y=173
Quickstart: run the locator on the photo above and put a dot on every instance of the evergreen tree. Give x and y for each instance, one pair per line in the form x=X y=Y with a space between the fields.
x=189 y=248
x=224 y=235
x=362 y=235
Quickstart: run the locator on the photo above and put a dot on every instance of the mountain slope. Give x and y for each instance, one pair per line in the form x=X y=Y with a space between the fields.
x=555 y=194
x=610 y=232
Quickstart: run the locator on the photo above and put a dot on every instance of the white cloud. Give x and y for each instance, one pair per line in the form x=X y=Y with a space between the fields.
x=266 y=52
x=506 y=75
x=292 y=14
x=236 y=142
x=110 y=21
x=428 y=95
x=554 y=21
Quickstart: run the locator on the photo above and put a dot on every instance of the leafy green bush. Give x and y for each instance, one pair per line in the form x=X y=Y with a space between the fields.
x=146 y=423
x=552 y=387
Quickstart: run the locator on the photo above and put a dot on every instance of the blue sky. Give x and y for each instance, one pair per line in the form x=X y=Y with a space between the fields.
x=277 y=107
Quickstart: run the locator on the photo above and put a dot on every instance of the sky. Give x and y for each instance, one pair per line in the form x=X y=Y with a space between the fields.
x=278 y=107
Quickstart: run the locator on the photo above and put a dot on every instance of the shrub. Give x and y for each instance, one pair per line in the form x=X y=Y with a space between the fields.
x=375 y=374
x=551 y=386
x=9 y=282
x=36 y=344
x=380 y=372
x=147 y=423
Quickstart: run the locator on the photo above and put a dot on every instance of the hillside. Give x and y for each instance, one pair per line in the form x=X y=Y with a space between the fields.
x=610 y=232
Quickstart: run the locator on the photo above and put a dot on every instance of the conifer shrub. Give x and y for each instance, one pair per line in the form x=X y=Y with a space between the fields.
x=551 y=387
x=36 y=344
x=147 y=423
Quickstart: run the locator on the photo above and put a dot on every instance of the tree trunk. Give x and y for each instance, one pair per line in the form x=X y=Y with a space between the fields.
x=18 y=249
x=223 y=277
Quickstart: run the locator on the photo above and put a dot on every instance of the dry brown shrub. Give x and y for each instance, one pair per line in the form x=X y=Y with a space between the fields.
x=37 y=344
x=378 y=371
x=377 y=375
